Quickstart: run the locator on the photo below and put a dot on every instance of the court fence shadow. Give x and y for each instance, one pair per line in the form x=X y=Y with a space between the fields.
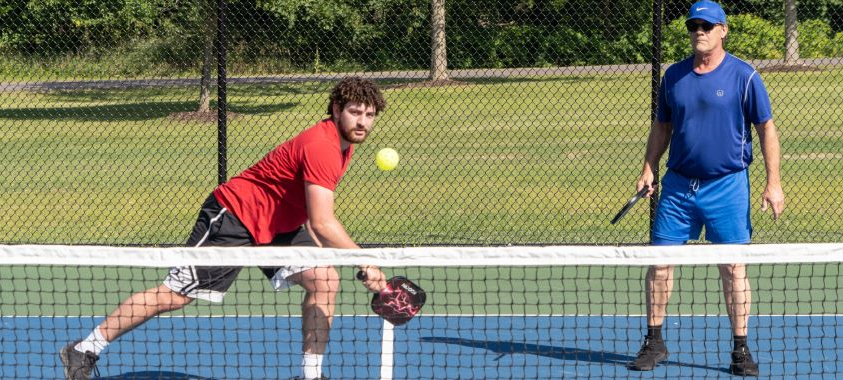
x=562 y=353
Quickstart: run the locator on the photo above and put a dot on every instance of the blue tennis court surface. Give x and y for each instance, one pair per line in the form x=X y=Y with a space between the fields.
x=429 y=347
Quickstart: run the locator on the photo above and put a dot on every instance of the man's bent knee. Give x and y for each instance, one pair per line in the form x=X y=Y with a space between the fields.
x=320 y=280
x=168 y=300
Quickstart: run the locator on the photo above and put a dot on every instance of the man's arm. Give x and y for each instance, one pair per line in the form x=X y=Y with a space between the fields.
x=323 y=222
x=773 y=194
x=657 y=144
x=329 y=232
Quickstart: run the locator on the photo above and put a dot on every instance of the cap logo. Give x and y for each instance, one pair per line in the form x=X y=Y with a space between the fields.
x=701 y=9
x=720 y=93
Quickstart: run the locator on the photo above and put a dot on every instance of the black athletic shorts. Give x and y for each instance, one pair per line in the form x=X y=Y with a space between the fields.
x=217 y=226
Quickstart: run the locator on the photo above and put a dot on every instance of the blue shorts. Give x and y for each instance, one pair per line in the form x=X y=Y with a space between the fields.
x=686 y=205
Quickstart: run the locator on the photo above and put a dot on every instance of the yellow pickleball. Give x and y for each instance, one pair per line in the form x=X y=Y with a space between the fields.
x=387 y=159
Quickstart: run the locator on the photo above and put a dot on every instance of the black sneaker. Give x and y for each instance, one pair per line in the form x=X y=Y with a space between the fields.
x=742 y=363
x=651 y=354
x=78 y=365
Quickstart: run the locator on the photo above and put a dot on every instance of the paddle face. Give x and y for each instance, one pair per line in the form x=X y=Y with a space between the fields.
x=631 y=202
x=400 y=301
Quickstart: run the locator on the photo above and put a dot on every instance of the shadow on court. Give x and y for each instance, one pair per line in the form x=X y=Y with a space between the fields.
x=154 y=375
x=562 y=353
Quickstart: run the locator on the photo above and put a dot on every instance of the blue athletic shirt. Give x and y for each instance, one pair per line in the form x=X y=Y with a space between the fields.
x=712 y=115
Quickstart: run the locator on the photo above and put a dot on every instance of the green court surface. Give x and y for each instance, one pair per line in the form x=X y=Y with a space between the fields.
x=780 y=289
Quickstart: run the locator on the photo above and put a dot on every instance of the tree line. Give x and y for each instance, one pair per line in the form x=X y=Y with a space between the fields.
x=271 y=36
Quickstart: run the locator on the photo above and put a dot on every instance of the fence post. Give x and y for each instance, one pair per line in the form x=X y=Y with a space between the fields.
x=656 y=68
x=222 y=102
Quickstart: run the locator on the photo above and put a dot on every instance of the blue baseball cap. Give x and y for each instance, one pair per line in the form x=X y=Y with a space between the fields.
x=708 y=11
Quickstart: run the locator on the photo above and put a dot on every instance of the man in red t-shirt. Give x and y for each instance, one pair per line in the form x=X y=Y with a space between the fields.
x=287 y=198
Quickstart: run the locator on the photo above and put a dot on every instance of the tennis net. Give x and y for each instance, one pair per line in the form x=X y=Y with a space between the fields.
x=492 y=312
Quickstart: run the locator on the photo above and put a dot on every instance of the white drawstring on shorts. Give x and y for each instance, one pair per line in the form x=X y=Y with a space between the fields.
x=694 y=185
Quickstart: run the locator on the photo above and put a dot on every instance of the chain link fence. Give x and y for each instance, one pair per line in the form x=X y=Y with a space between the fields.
x=517 y=122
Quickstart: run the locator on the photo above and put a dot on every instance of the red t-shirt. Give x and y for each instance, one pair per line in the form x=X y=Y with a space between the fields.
x=269 y=196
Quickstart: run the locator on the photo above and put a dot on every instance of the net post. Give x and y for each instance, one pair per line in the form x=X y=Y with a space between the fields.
x=222 y=102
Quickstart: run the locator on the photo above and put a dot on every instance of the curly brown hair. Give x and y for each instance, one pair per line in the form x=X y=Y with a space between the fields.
x=357 y=90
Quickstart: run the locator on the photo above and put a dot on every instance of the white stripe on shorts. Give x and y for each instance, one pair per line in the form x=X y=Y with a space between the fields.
x=211 y=223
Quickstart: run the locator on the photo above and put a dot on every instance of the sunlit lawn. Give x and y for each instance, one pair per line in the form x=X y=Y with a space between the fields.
x=536 y=160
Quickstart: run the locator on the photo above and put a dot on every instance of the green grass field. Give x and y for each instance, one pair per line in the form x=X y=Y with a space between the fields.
x=530 y=160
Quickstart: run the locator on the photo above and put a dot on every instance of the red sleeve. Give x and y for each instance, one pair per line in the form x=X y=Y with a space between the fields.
x=322 y=165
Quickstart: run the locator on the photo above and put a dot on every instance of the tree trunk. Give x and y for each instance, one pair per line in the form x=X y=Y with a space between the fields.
x=439 y=53
x=791 y=55
x=208 y=57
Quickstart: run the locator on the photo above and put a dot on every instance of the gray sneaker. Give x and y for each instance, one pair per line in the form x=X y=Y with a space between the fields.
x=77 y=365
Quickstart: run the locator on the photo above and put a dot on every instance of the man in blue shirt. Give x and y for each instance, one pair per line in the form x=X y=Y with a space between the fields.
x=707 y=105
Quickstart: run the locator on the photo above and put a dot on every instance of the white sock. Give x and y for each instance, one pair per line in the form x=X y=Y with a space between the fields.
x=311 y=366
x=94 y=342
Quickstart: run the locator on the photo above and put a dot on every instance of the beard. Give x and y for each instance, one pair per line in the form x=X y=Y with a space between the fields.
x=349 y=135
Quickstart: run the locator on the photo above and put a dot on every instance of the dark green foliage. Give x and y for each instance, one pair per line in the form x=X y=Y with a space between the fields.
x=275 y=36
x=65 y=26
x=752 y=37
